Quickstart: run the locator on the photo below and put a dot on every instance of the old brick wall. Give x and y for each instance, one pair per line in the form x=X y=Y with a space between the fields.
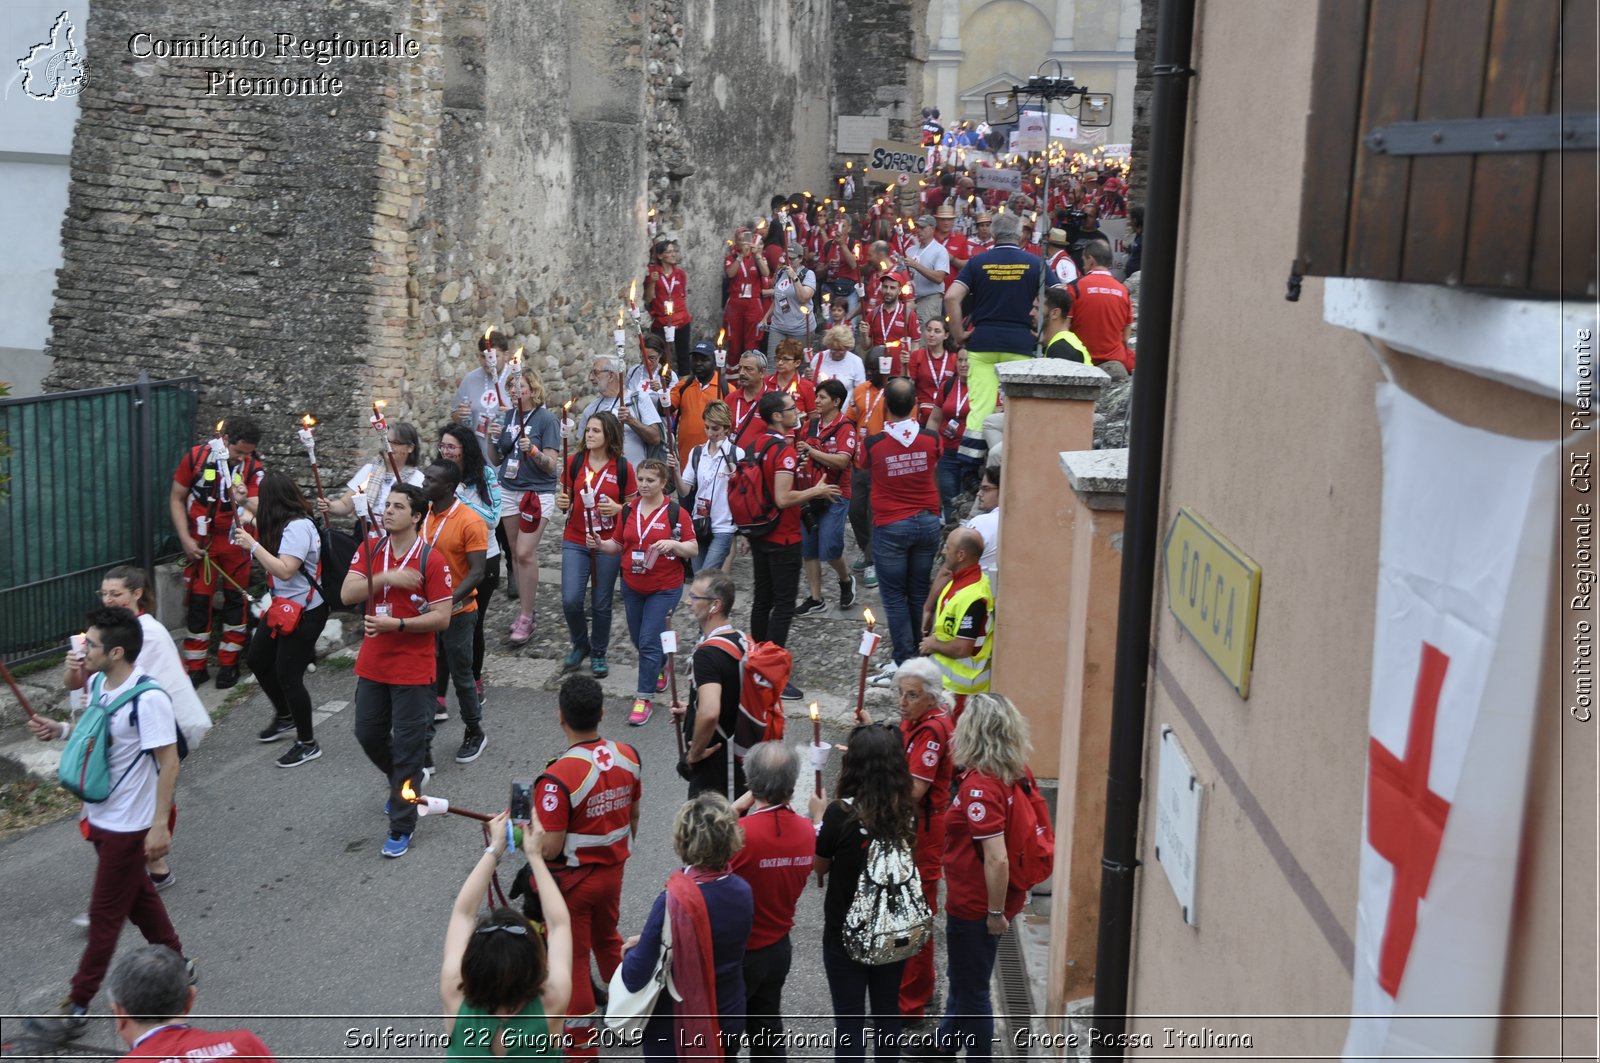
x=316 y=253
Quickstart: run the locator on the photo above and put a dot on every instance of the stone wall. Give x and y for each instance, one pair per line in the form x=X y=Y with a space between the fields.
x=318 y=252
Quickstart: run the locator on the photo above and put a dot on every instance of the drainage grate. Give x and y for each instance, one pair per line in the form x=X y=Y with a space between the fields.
x=1015 y=993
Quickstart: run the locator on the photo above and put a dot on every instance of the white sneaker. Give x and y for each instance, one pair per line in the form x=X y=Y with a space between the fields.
x=884 y=676
x=81 y=919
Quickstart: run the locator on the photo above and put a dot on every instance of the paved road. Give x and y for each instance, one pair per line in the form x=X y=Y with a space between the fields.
x=300 y=930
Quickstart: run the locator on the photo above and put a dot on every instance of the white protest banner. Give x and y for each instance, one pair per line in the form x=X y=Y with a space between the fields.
x=889 y=158
x=1464 y=568
x=1063 y=127
x=994 y=177
x=1030 y=132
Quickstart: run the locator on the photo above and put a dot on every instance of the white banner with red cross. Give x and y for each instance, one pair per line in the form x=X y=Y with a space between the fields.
x=1465 y=560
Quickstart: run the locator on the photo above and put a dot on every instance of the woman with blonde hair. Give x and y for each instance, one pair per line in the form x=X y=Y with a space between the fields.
x=529 y=446
x=706 y=478
x=710 y=910
x=990 y=747
x=838 y=360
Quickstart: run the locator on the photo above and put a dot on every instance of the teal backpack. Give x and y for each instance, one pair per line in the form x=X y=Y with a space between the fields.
x=85 y=770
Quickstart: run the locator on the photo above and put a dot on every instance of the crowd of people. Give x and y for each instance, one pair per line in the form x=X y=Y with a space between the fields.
x=766 y=444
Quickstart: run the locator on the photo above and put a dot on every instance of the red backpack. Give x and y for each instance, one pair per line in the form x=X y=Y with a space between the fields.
x=1030 y=839
x=763 y=673
x=751 y=504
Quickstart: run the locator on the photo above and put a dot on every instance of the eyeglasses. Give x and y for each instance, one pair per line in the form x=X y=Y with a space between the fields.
x=518 y=929
x=790 y=409
x=700 y=597
x=92 y=644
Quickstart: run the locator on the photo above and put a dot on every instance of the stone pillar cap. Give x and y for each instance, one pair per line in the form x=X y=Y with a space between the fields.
x=1051 y=378
x=1098 y=477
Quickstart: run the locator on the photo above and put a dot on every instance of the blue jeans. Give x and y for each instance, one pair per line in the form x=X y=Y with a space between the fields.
x=903 y=553
x=647 y=619
x=968 y=1014
x=851 y=985
x=956 y=474
x=575 y=562
x=713 y=556
x=827 y=542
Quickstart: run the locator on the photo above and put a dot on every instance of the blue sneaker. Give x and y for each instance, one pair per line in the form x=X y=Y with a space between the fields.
x=396 y=845
x=573 y=658
x=386 y=806
x=599 y=666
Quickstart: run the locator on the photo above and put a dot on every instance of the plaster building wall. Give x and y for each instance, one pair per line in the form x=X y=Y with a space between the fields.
x=982 y=45
x=35 y=149
x=1273 y=437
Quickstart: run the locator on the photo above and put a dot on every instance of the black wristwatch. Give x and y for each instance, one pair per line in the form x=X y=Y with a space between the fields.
x=402 y=623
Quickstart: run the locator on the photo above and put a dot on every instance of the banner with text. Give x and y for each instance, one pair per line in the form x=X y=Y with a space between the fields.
x=891 y=158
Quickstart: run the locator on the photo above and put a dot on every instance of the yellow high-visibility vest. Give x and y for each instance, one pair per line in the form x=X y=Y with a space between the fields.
x=964 y=675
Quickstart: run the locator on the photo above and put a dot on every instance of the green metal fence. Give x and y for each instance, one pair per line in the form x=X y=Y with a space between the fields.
x=86 y=486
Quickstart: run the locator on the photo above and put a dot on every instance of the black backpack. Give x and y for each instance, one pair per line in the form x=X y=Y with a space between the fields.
x=674 y=515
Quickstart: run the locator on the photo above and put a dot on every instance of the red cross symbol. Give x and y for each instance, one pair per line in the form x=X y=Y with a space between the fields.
x=602 y=758
x=1405 y=820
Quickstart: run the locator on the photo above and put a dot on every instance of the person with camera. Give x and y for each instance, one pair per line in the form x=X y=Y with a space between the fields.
x=827 y=447
x=587 y=803
x=747 y=272
x=505 y=987
x=290 y=550
x=407 y=591
x=791 y=289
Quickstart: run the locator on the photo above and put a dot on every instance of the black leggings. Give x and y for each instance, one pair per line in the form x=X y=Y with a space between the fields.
x=279 y=665
x=486 y=588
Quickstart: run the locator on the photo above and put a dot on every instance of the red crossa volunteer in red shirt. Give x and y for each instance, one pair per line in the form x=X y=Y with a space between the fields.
x=789 y=356
x=407 y=591
x=955 y=244
x=666 y=293
x=1101 y=310
x=151 y=996
x=594 y=485
x=212 y=481
x=931 y=366
x=779 y=850
x=587 y=800
x=905 y=514
x=745 y=403
x=827 y=448
x=747 y=272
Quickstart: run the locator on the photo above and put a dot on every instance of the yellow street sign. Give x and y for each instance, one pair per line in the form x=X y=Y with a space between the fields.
x=1213 y=590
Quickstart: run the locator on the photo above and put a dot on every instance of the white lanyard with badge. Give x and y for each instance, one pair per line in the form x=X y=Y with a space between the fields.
x=518 y=429
x=642 y=559
x=702 y=503
x=383 y=608
x=953 y=423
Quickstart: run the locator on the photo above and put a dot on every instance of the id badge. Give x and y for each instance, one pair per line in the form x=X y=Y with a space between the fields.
x=702 y=508
x=202 y=525
x=383 y=609
x=638 y=559
x=513 y=463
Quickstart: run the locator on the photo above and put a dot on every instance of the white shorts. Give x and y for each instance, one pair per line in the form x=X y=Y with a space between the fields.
x=511 y=502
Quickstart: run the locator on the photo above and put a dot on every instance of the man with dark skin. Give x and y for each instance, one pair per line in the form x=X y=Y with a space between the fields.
x=461 y=536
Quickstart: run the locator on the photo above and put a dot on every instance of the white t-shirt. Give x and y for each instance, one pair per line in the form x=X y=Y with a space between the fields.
x=713 y=469
x=849 y=370
x=372 y=484
x=159 y=660
x=132 y=804
x=988 y=526
x=482 y=392
x=933 y=257
x=645 y=413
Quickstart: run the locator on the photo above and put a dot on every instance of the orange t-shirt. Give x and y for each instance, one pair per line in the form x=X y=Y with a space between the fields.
x=690 y=398
x=454 y=534
x=866 y=411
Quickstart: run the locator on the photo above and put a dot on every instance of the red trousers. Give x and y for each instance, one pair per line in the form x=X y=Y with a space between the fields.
x=741 y=319
x=203 y=581
x=122 y=893
x=916 y=983
x=593 y=901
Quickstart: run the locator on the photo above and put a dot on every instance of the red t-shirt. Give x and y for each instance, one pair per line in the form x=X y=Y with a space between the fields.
x=903 y=478
x=955 y=404
x=979 y=807
x=927 y=745
x=895 y=321
x=775 y=458
x=198 y=473
x=748 y=427
x=588 y=792
x=605 y=485
x=803 y=390
x=672 y=285
x=780 y=845
x=957 y=247
x=833 y=263
x=402 y=658
x=837 y=438
x=635 y=531
x=745 y=284
x=929 y=373
x=1100 y=312
x=183 y=1042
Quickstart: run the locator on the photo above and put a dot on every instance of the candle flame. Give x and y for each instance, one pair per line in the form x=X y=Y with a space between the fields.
x=905 y=289
x=632 y=285
x=565 y=406
x=721 y=334
x=488 y=332
x=219 y=427
x=308 y=420
x=669 y=306
x=407 y=792
x=619 y=317
x=849 y=166
x=866 y=614
x=380 y=404
x=652 y=212
x=814 y=710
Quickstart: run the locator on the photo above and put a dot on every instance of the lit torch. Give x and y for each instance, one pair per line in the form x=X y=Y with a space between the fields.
x=437 y=806
x=308 y=438
x=816 y=740
x=869 y=643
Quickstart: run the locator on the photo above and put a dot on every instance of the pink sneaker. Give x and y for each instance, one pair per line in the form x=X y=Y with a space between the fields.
x=641 y=712
x=661 y=681
x=521 y=630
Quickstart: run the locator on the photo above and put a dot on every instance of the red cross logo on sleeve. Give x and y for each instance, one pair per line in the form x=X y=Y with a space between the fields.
x=1405 y=820
x=602 y=758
